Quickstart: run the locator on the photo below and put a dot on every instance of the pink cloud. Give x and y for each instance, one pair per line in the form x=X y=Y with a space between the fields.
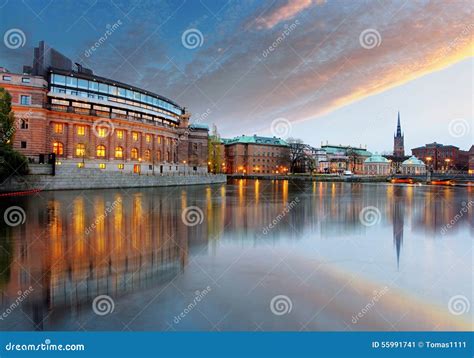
x=285 y=12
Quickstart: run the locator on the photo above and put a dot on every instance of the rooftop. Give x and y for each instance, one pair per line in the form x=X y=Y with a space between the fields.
x=332 y=149
x=413 y=161
x=243 y=139
x=376 y=158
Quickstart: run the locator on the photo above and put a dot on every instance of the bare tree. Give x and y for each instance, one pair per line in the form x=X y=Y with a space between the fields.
x=297 y=154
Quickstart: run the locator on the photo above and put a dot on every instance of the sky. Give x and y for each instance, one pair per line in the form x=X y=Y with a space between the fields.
x=335 y=72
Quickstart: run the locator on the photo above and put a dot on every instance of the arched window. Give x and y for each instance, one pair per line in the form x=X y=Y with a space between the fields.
x=168 y=156
x=58 y=148
x=118 y=152
x=134 y=153
x=100 y=152
x=80 y=150
x=147 y=155
x=158 y=155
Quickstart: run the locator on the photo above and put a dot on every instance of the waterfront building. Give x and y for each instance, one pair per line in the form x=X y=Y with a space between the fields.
x=398 y=156
x=377 y=165
x=256 y=155
x=442 y=158
x=340 y=158
x=96 y=122
x=413 y=166
x=471 y=160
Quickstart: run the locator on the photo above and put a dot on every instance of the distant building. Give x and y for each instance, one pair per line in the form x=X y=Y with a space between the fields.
x=340 y=158
x=413 y=166
x=256 y=155
x=376 y=165
x=398 y=141
x=471 y=160
x=442 y=158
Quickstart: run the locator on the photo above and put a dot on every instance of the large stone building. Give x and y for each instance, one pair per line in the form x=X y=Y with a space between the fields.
x=91 y=121
x=256 y=155
x=377 y=165
x=442 y=158
x=471 y=160
x=340 y=158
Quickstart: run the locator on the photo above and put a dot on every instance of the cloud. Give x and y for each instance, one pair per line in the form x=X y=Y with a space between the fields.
x=283 y=13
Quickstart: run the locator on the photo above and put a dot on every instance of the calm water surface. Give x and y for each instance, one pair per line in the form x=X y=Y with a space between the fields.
x=250 y=255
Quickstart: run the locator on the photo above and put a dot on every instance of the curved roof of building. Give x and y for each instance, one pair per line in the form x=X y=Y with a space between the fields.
x=413 y=161
x=376 y=158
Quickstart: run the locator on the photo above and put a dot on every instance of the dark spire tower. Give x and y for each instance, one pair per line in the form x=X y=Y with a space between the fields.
x=398 y=143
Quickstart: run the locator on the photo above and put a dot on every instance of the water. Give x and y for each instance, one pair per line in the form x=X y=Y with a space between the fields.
x=249 y=255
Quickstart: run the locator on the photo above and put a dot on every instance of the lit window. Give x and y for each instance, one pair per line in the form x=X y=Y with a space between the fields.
x=100 y=152
x=25 y=100
x=80 y=150
x=58 y=148
x=80 y=165
x=148 y=138
x=147 y=155
x=102 y=132
x=135 y=136
x=58 y=128
x=102 y=166
x=81 y=130
x=118 y=152
x=120 y=134
x=158 y=155
x=120 y=166
x=159 y=140
x=24 y=124
x=134 y=153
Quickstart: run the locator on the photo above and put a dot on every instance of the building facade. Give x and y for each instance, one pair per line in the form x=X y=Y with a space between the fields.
x=377 y=165
x=91 y=121
x=442 y=158
x=413 y=166
x=471 y=160
x=256 y=155
x=340 y=158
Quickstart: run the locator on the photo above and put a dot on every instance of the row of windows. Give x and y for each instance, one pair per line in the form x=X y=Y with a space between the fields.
x=79 y=83
x=58 y=149
x=8 y=78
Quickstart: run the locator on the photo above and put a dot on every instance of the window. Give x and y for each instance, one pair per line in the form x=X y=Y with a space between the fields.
x=158 y=155
x=135 y=136
x=148 y=138
x=80 y=150
x=134 y=153
x=71 y=82
x=7 y=78
x=23 y=123
x=103 y=88
x=147 y=155
x=159 y=140
x=120 y=134
x=58 y=148
x=23 y=144
x=102 y=166
x=81 y=130
x=58 y=128
x=118 y=152
x=83 y=84
x=100 y=151
x=102 y=132
x=93 y=86
x=25 y=100
x=120 y=166
x=25 y=80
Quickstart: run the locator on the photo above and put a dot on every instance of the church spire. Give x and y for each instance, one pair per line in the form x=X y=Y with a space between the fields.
x=399 y=127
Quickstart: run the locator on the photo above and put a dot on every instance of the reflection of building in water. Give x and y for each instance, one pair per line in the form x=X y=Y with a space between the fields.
x=398 y=220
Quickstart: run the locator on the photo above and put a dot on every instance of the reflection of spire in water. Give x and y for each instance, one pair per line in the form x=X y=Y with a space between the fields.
x=398 y=223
